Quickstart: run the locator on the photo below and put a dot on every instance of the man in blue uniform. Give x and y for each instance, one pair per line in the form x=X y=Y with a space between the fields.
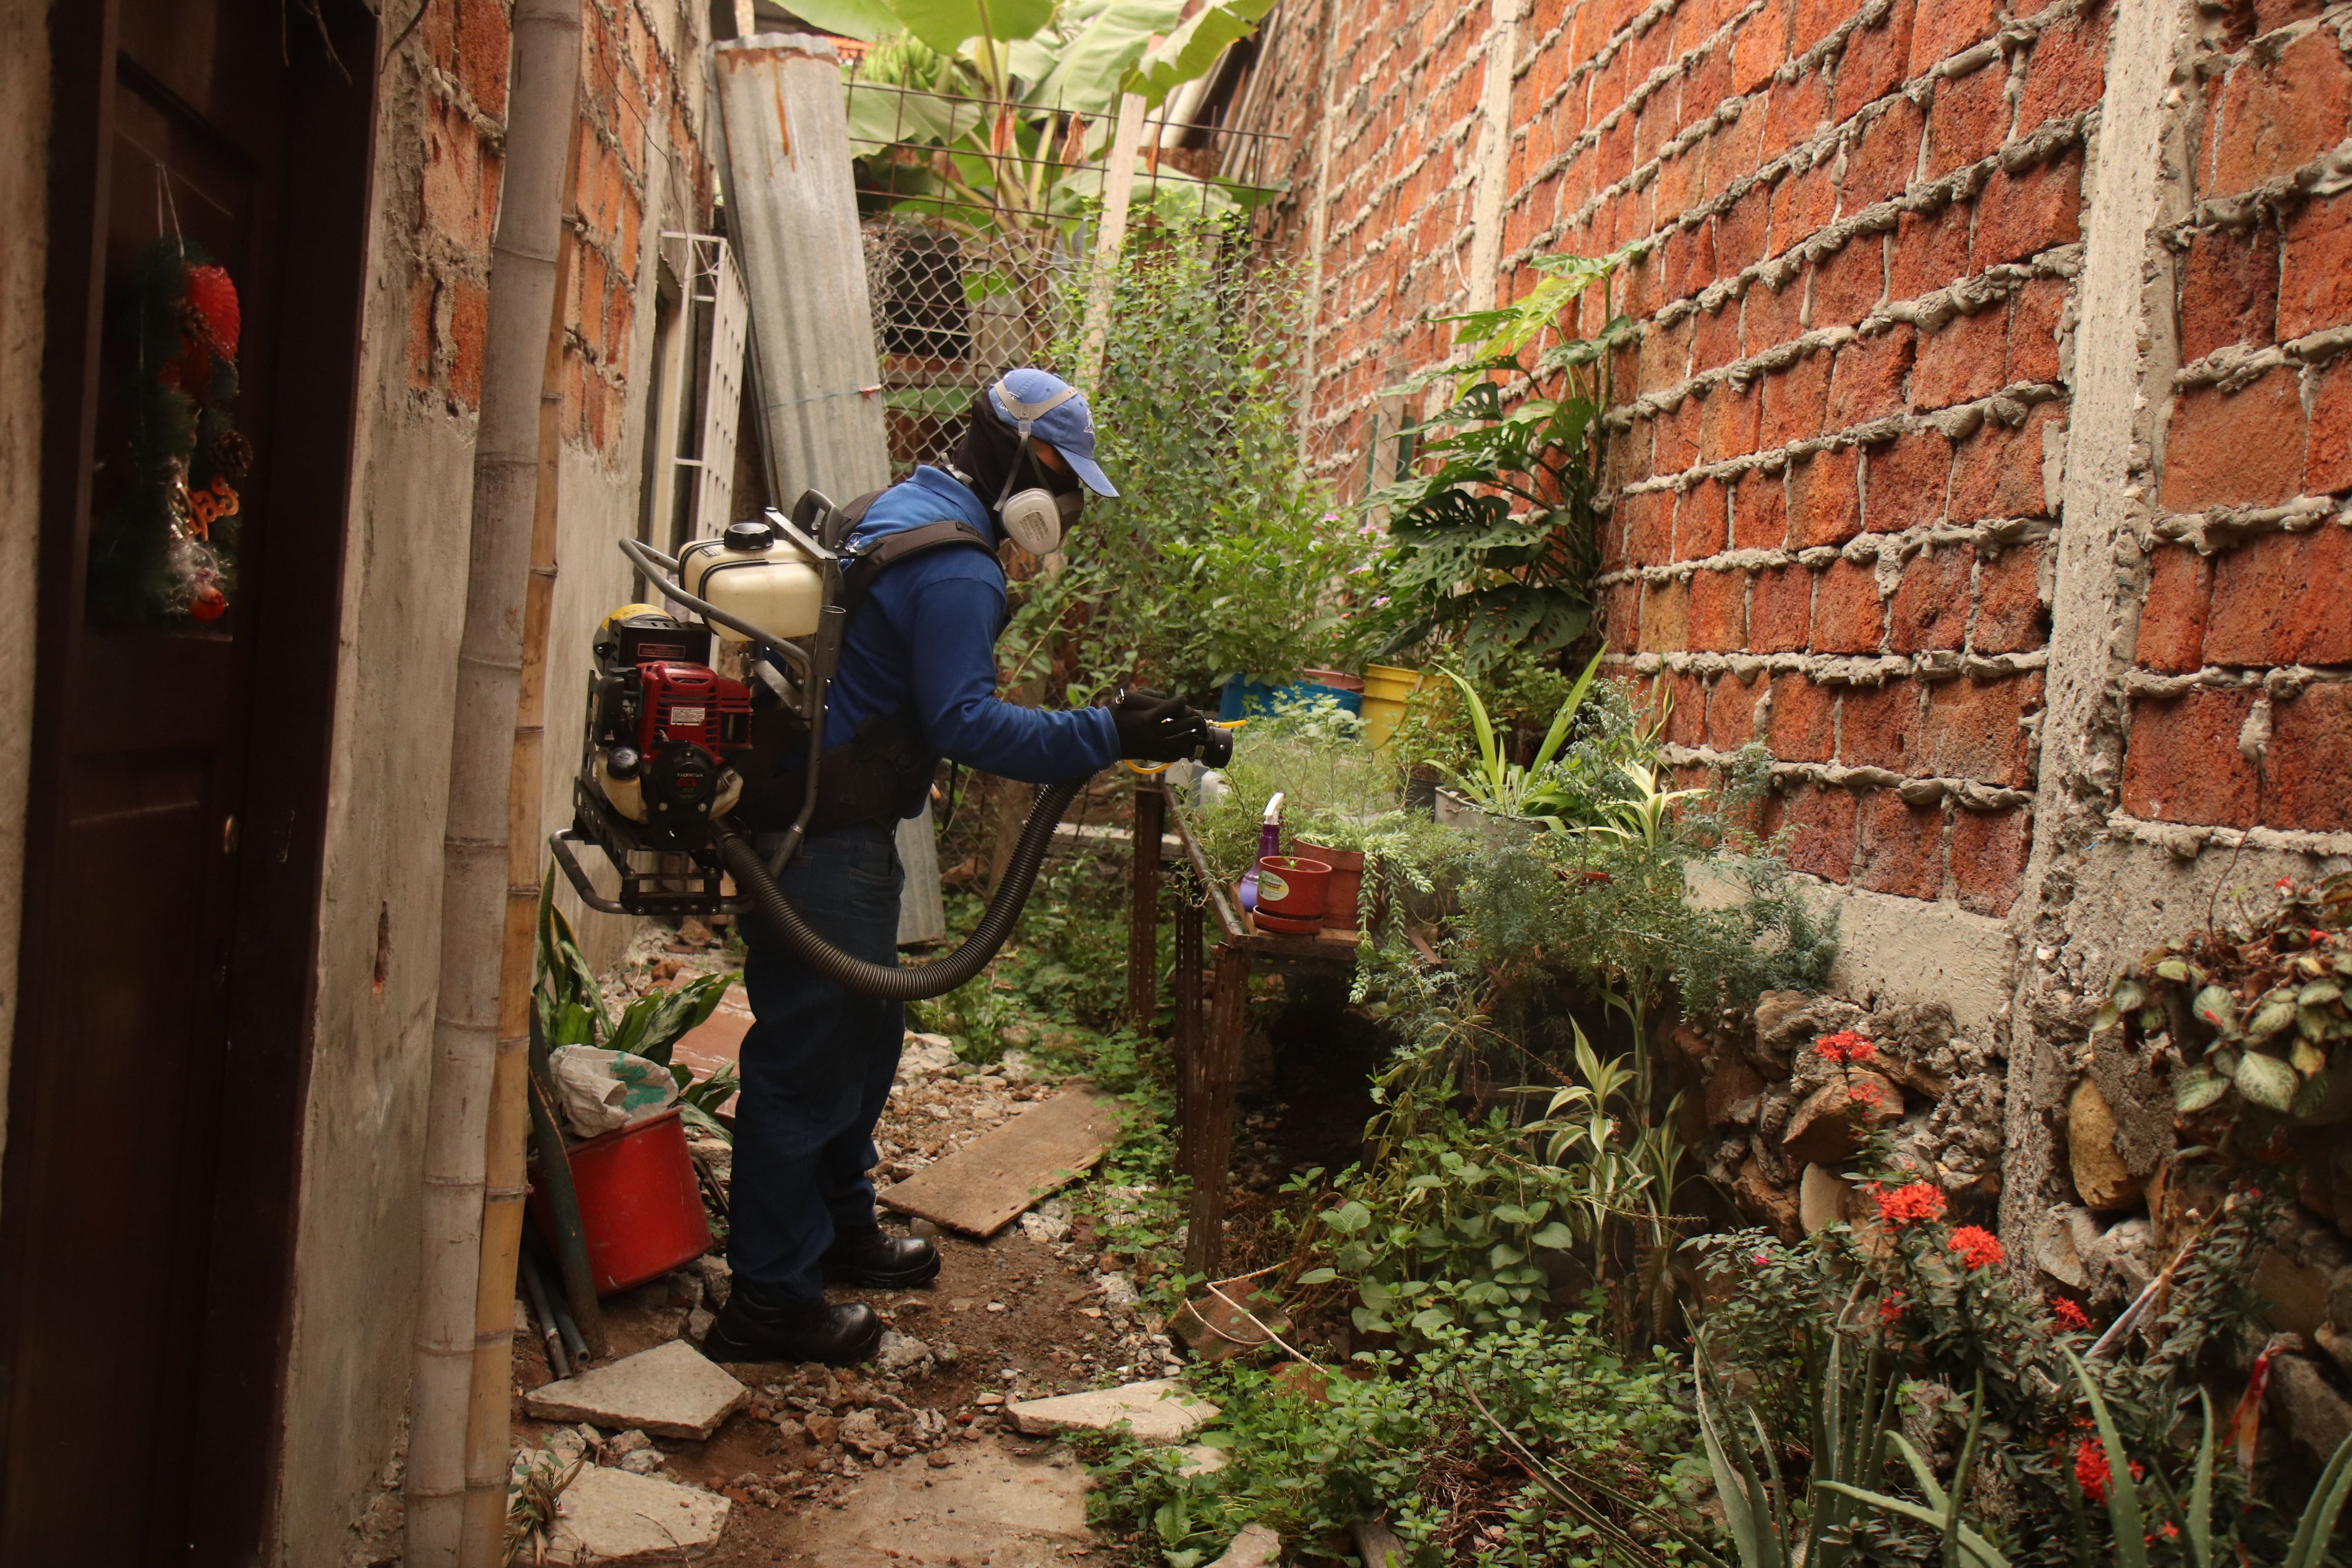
x=916 y=682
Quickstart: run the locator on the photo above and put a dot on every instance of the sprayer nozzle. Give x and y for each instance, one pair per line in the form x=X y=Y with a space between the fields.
x=1216 y=745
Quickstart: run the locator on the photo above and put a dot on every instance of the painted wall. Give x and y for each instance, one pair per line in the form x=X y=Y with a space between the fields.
x=24 y=257
x=436 y=184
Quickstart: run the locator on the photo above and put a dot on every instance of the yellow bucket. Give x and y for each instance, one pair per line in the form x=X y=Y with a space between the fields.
x=1385 y=690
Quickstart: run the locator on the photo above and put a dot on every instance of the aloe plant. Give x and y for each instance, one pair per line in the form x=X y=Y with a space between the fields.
x=1852 y=1400
x=2129 y=1514
x=1507 y=788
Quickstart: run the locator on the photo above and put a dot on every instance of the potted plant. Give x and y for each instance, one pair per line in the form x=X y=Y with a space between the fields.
x=1338 y=841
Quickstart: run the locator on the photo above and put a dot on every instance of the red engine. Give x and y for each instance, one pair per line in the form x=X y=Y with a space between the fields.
x=664 y=729
x=681 y=704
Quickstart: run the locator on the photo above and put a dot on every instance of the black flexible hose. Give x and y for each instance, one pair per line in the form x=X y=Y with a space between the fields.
x=923 y=980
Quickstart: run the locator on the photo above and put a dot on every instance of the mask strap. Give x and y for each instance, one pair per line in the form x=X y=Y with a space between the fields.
x=1024 y=417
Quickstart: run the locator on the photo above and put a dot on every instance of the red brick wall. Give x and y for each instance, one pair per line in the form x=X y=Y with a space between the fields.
x=1856 y=228
x=636 y=103
x=2239 y=713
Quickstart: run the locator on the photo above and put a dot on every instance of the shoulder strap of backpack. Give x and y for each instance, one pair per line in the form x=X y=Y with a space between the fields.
x=858 y=577
x=842 y=522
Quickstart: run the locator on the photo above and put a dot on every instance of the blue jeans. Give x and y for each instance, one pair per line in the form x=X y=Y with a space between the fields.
x=817 y=1066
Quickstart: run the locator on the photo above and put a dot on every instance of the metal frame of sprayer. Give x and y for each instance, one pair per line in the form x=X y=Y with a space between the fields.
x=801 y=684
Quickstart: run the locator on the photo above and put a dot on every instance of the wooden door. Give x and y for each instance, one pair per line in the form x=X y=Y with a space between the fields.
x=179 y=765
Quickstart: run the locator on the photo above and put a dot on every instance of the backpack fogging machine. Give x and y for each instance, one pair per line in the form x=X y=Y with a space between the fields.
x=675 y=754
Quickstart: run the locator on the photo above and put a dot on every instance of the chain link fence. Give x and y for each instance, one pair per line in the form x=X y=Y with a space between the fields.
x=980 y=244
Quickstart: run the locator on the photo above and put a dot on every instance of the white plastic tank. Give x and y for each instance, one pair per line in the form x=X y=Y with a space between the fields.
x=755 y=573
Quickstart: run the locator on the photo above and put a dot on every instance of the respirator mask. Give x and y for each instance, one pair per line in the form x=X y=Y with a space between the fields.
x=1036 y=517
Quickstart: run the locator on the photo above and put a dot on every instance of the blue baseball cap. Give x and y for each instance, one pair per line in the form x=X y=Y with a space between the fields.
x=1039 y=402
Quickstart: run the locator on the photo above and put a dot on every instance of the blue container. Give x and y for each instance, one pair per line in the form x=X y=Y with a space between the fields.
x=1242 y=698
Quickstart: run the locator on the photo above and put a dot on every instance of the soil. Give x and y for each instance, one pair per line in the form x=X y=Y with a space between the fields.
x=1013 y=1316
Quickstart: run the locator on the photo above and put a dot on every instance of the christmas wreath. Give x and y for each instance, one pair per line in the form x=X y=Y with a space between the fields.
x=165 y=549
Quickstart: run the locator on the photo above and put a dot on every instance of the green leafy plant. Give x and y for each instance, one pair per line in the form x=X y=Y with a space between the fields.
x=1221 y=554
x=1013 y=102
x=568 y=1009
x=1494 y=530
x=1507 y=788
x=2133 y=1515
x=2244 y=1017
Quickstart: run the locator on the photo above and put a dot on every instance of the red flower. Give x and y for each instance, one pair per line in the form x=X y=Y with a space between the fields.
x=2069 y=1315
x=1845 y=1046
x=1890 y=1307
x=1908 y=1205
x=1863 y=1093
x=1977 y=1248
x=2091 y=1471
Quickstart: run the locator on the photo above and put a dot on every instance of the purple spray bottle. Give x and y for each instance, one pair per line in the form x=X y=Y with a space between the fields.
x=1270 y=842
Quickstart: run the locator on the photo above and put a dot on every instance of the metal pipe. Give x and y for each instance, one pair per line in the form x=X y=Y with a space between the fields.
x=536 y=1288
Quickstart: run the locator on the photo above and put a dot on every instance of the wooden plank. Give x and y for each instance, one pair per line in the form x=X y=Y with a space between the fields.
x=986 y=1184
x=1143 y=912
x=1188 y=1017
x=1213 y=1139
x=1227 y=915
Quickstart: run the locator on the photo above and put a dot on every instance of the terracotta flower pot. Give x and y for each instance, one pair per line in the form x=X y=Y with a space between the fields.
x=1291 y=893
x=1346 y=881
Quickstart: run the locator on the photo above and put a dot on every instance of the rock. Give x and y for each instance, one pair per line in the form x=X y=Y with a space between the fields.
x=1254 y=1547
x=670 y=1390
x=1731 y=1083
x=2119 y=1263
x=1821 y=1130
x=923 y=1055
x=1759 y=1199
x=1787 y=1021
x=1156 y=1411
x=1014 y=1066
x=621 y=1445
x=2066 y=1233
x=698 y=1324
x=2293 y=1297
x=608 y=1515
x=567 y=1444
x=924 y=1228
x=1200 y=1459
x=1378 y=1546
x=644 y=1462
x=862 y=1430
x=1043 y=1228
x=685 y=1287
x=824 y=1428
x=1913 y=1047
x=2337 y=1346
x=2315 y=1415
x=717 y=1280
x=2102 y=1180
x=1119 y=1290
x=1821 y=1199
x=899 y=1353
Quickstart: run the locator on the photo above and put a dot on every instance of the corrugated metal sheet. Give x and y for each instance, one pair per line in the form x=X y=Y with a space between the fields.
x=793 y=213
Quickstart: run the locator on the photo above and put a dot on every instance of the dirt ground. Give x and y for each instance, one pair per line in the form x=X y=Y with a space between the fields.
x=1029 y=1313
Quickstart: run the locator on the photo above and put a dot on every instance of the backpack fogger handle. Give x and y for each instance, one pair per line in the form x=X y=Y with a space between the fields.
x=755 y=875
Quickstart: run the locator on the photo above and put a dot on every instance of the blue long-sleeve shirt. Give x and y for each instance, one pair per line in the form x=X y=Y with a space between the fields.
x=922 y=645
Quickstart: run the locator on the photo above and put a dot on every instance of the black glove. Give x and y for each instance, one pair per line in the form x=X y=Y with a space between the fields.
x=1154 y=727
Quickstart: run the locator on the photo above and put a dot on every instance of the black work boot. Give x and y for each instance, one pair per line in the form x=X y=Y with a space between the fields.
x=880 y=1262
x=753 y=1327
